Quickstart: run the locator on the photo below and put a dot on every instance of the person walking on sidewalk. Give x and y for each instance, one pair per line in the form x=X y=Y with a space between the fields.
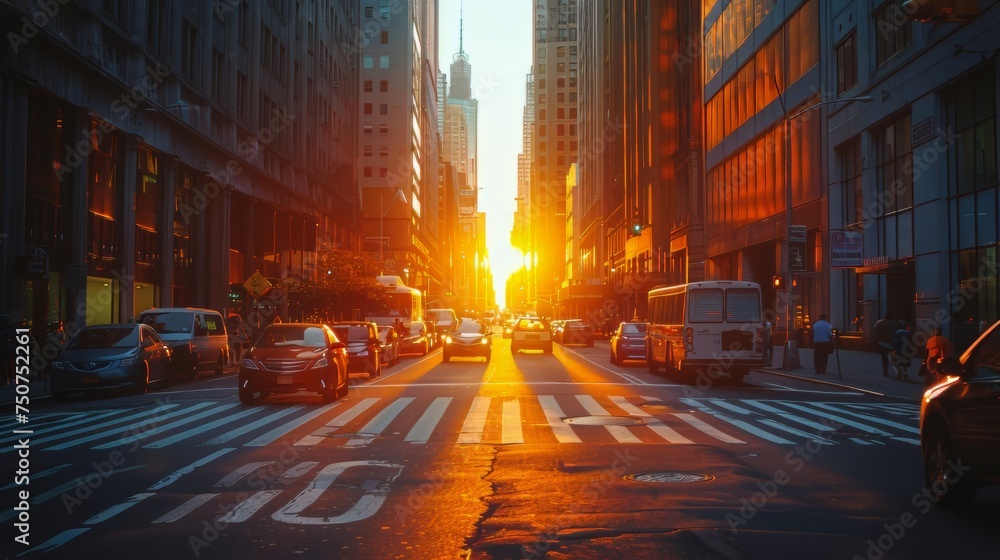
x=937 y=347
x=822 y=343
x=902 y=349
x=884 y=329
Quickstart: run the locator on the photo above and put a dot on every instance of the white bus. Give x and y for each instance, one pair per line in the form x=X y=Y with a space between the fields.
x=706 y=328
x=400 y=302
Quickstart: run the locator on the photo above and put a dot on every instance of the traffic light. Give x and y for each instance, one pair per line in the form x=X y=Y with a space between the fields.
x=778 y=282
x=636 y=229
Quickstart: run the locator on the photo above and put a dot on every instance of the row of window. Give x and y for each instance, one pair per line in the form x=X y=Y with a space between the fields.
x=368 y=62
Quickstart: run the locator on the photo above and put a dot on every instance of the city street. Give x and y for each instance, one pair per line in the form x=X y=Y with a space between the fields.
x=530 y=456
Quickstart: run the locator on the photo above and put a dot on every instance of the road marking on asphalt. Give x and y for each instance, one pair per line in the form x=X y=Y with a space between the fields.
x=42 y=474
x=174 y=476
x=164 y=427
x=239 y=474
x=62 y=434
x=122 y=431
x=57 y=541
x=424 y=427
x=839 y=419
x=384 y=376
x=245 y=509
x=632 y=380
x=283 y=429
x=62 y=489
x=297 y=471
x=366 y=506
x=738 y=423
x=338 y=422
x=475 y=421
x=621 y=433
x=707 y=429
x=873 y=419
x=199 y=430
x=779 y=426
x=381 y=421
x=185 y=508
x=115 y=510
x=232 y=434
x=564 y=432
x=653 y=423
x=511 y=422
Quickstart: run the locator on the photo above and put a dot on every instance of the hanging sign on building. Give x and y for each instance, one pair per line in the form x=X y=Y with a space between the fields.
x=846 y=248
x=797 y=248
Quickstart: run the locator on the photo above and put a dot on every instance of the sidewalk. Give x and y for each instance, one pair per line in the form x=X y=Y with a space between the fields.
x=857 y=370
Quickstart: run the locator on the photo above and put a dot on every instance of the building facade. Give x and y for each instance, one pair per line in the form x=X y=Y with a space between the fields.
x=158 y=154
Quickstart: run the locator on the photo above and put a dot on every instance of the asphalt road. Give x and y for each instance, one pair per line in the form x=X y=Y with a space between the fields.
x=527 y=456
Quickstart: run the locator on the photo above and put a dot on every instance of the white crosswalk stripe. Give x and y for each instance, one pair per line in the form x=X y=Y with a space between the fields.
x=493 y=420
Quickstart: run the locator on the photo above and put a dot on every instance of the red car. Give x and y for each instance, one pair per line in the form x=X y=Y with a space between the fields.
x=293 y=357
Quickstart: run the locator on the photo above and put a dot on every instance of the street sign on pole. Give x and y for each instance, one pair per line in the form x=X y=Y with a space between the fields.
x=797 y=248
x=256 y=285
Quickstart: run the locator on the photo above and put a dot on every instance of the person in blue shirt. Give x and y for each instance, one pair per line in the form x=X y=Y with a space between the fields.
x=822 y=343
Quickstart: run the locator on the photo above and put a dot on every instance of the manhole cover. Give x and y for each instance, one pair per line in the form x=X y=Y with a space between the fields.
x=670 y=477
x=603 y=420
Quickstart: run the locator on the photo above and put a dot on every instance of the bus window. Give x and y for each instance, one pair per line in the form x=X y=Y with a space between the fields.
x=705 y=306
x=742 y=306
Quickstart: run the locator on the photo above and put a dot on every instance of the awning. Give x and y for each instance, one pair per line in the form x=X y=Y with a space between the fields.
x=892 y=268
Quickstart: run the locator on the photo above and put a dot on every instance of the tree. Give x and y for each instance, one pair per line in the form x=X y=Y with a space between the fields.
x=345 y=281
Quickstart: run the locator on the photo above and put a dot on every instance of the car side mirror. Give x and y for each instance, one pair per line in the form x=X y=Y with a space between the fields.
x=950 y=365
x=374 y=340
x=337 y=345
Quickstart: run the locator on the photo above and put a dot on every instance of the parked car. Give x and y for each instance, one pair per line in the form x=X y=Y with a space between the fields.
x=389 y=342
x=960 y=423
x=105 y=358
x=440 y=321
x=470 y=338
x=628 y=342
x=417 y=340
x=364 y=353
x=575 y=331
x=197 y=338
x=293 y=357
x=531 y=333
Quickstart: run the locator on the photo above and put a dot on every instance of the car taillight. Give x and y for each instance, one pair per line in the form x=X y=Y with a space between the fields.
x=689 y=338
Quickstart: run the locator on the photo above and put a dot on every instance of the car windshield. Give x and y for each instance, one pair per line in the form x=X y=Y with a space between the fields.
x=169 y=323
x=441 y=315
x=108 y=337
x=468 y=326
x=352 y=333
x=417 y=327
x=281 y=336
x=530 y=325
x=383 y=332
x=634 y=328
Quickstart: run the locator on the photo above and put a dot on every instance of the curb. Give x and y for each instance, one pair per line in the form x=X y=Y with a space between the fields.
x=780 y=373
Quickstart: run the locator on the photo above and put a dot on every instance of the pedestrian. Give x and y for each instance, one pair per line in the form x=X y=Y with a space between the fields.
x=884 y=329
x=902 y=349
x=938 y=347
x=822 y=343
x=768 y=347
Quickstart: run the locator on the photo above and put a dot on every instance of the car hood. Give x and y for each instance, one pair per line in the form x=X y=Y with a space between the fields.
x=94 y=354
x=287 y=353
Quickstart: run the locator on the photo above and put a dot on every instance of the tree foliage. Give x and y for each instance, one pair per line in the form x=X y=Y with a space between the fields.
x=345 y=281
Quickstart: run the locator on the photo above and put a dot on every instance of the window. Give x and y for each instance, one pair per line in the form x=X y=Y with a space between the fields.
x=383 y=62
x=369 y=11
x=383 y=37
x=893 y=31
x=368 y=86
x=368 y=129
x=383 y=129
x=368 y=108
x=705 y=306
x=383 y=85
x=383 y=108
x=894 y=162
x=367 y=62
x=368 y=171
x=972 y=115
x=383 y=150
x=189 y=51
x=368 y=150
x=847 y=63
x=850 y=178
x=383 y=171
x=742 y=305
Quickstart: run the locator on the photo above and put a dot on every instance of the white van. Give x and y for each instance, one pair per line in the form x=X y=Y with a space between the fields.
x=706 y=328
x=197 y=338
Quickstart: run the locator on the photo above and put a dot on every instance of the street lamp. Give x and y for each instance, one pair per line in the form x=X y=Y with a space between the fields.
x=381 y=219
x=790 y=356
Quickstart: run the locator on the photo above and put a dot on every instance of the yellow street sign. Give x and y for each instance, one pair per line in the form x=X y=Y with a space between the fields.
x=256 y=285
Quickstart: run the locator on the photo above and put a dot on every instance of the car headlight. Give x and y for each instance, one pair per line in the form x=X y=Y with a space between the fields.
x=58 y=365
x=484 y=341
x=447 y=339
x=363 y=353
x=128 y=361
x=248 y=363
x=321 y=363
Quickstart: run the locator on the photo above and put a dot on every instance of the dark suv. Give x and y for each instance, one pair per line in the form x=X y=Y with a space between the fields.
x=364 y=351
x=960 y=423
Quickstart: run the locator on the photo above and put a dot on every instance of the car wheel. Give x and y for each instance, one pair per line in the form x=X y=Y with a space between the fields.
x=939 y=456
x=654 y=366
x=342 y=389
x=143 y=386
x=331 y=392
x=220 y=364
x=427 y=348
x=193 y=373
x=246 y=395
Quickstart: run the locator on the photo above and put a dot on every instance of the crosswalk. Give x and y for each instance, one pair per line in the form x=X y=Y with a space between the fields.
x=493 y=420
